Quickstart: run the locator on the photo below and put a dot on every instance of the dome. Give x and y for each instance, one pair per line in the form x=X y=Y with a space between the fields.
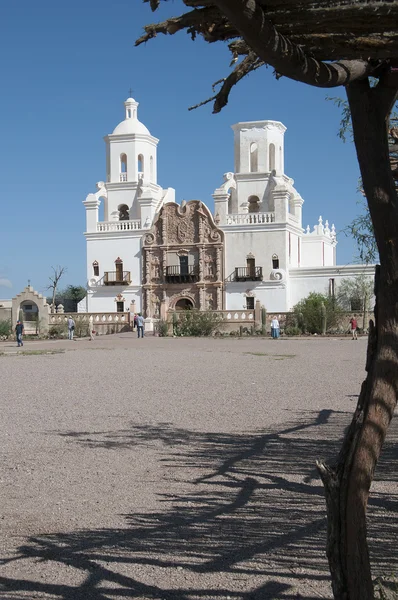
x=129 y=126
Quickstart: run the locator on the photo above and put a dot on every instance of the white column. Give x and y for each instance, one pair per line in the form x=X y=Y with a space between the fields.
x=92 y=204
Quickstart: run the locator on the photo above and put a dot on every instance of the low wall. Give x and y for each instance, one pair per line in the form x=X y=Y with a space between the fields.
x=103 y=323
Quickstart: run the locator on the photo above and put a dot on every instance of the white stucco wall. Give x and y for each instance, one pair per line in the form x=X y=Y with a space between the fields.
x=306 y=280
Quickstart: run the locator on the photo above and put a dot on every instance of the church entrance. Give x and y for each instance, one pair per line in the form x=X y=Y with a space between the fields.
x=184 y=304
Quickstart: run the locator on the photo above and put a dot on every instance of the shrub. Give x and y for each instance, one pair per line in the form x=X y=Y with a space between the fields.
x=58 y=331
x=81 y=328
x=308 y=313
x=162 y=328
x=197 y=323
x=292 y=330
x=5 y=328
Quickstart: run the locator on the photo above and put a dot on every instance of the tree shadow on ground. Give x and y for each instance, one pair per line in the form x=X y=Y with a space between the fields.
x=251 y=524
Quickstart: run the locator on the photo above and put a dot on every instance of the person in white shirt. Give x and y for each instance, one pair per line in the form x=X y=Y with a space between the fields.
x=71 y=328
x=275 y=329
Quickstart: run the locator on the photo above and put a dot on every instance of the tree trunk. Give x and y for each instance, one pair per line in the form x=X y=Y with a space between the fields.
x=347 y=483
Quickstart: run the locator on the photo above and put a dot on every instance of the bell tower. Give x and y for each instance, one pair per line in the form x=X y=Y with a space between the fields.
x=131 y=165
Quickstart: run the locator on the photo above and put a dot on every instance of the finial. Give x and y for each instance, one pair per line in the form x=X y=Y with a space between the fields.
x=327 y=230
x=320 y=221
x=28 y=282
x=308 y=230
x=130 y=93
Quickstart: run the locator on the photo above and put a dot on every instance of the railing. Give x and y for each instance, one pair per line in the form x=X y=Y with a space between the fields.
x=250 y=218
x=182 y=274
x=246 y=274
x=123 y=177
x=104 y=226
x=117 y=278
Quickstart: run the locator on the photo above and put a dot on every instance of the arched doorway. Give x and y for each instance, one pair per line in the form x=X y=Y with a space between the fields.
x=29 y=315
x=184 y=304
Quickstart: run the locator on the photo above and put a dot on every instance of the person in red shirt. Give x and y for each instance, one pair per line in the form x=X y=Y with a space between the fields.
x=354 y=325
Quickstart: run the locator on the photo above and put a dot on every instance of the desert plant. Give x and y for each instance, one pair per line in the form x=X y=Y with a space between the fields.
x=310 y=315
x=162 y=328
x=5 y=328
x=292 y=330
x=198 y=323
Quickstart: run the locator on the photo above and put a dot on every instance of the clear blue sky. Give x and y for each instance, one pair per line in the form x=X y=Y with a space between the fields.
x=67 y=68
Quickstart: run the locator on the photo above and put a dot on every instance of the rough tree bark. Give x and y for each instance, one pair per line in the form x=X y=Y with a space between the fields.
x=347 y=483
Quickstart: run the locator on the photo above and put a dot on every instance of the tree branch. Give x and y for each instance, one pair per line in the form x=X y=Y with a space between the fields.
x=288 y=59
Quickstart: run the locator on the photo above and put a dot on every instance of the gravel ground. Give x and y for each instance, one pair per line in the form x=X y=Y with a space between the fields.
x=178 y=469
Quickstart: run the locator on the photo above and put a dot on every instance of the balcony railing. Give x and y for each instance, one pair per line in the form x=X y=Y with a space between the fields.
x=103 y=226
x=182 y=274
x=247 y=274
x=123 y=177
x=117 y=278
x=250 y=218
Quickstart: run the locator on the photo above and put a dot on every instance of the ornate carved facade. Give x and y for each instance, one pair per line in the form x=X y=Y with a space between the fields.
x=183 y=260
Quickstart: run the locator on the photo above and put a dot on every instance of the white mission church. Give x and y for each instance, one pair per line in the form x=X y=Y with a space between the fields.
x=150 y=252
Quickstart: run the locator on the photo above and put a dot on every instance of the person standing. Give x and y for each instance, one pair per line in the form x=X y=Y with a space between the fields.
x=140 y=325
x=71 y=328
x=354 y=326
x=19 y=333
x=275 y=330
x=91 y=327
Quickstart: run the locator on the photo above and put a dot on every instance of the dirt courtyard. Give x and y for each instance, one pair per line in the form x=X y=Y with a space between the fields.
x=177 y=469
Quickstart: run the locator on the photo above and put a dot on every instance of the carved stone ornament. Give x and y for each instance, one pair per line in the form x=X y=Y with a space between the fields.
x=277 y=275
x=120 y=298
x=149 y=238
x=183 y=252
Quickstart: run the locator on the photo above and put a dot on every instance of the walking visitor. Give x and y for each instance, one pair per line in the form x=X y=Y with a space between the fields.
x=19 y=332
x=275 y=330
x=354 y=325
x=71 y=328
x=140 y=325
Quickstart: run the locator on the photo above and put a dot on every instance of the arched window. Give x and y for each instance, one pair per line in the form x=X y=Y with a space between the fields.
x=271 y=157
x=151 y=168
x=254 y=204
x=123 y=167
x=140 y=164
x=123 y=212
x=129 y=113
x=275 y=261
x=253 y=157
x=96 y=268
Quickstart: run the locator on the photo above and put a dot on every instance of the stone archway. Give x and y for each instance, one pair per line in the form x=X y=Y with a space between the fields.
x=184 y=304
x=30 y=298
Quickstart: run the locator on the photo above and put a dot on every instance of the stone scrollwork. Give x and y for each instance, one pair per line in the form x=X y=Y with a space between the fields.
x=277 y=275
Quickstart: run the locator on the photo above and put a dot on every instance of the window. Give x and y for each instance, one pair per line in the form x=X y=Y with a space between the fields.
x=253 y=158
x=271 y=157
x=119 y=306
x=140 y=163
x=331 y=288
x=151 y=168
x=249 y=302
x=254 y=204
x=123 y=167
x=28 y=307
x=183 y=265
x=129 y=113
x=275 y=261
x=96 y=268
x=123 y=212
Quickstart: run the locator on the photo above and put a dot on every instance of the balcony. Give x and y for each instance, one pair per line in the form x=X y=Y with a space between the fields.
x=247 y=274
x=123 y=177
x=182 y=274
x=106 y=226
x=117 y=278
